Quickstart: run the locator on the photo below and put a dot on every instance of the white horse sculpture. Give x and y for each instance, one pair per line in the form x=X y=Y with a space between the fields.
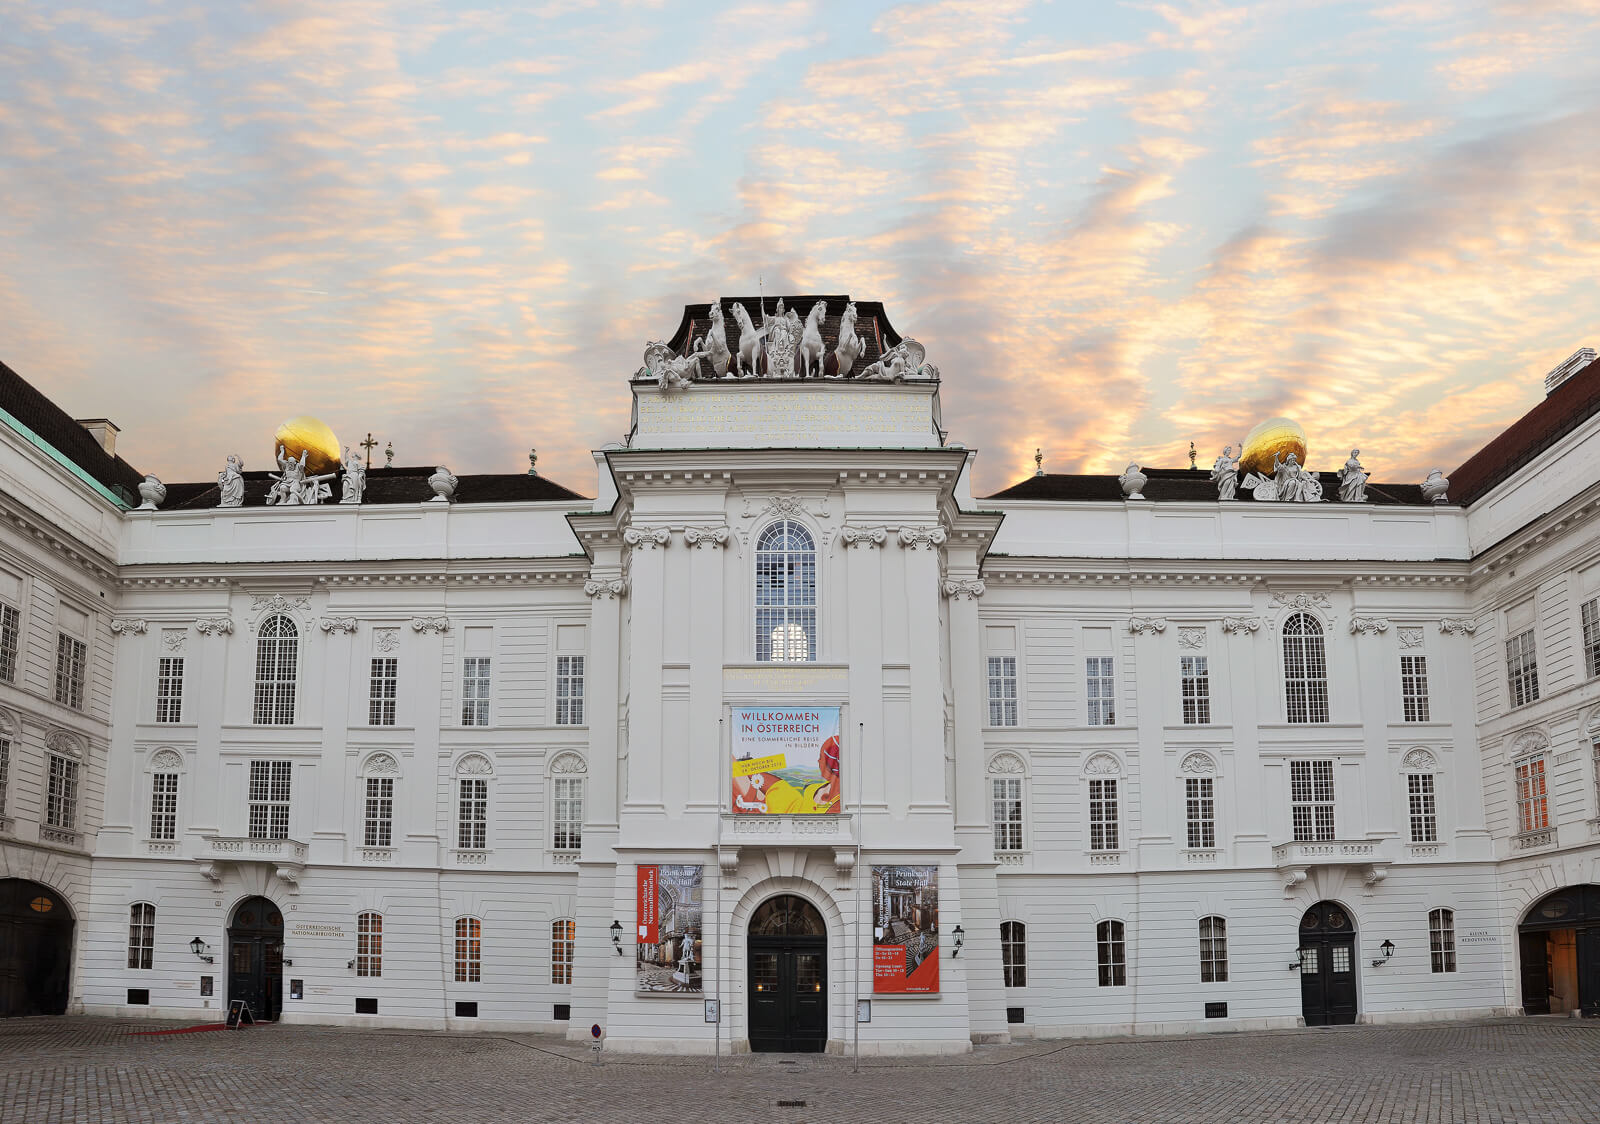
x=715 y=343
x=750 y=338
x=851 y=346
x=811 y=349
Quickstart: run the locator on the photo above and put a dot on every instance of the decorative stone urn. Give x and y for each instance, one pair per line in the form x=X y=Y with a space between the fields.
x=153 y=492
x=1435 y=487
x=443 y=483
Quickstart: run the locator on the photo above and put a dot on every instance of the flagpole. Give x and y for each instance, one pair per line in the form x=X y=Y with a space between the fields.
x=716 y=1056
x=860 y=749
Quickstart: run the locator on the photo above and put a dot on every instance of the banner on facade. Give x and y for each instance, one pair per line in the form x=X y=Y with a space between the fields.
x=786 y=759
x=669 y=949
x=905 y=930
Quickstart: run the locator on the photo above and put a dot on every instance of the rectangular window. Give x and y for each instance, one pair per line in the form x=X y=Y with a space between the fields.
x=1002 y=690
x=1213 y=950
x=1102 y=815
x=1113 y=953
x=1522 y=669
x=472 y=826
x=1442 y=939
x=469 y=951
x=1007 y=795
x=563 y=941
x=1196 y=679
x=383 y=690
x=379 y=831
x=568 y=816
x=1424 y=813
x=169 y=690
x=10 y=633
x=569 y=690
x=1414 y=687
x=269 y=799
x=1101 y=690
x=164 y=806
x=61 y=799
x=1591 y=636
x=1533 y=801
x=369 y=944
x=141 y=935
x=1200 y=809
x=1014 y=953
x=1311 y=800
x=70 y=659
x=475 y=691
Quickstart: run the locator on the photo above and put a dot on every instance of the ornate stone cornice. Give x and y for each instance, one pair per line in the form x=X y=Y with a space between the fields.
x=221 y=626
x=863 y=538
x=1458 y=626
x=436 y=625
x=346 y=625
x=969 y=588
x=1241 y=624
x=706 y=538
x=646 y=538
x=922 y=538
x=611 y=588
x=1147 y=626
x=1372 y=626
x=124 y=626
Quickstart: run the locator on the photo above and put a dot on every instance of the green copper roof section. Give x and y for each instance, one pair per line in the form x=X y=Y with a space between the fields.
x=56 y=455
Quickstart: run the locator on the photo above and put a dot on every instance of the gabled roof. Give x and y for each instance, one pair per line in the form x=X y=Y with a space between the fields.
x=54 y=426
x=1173 y=485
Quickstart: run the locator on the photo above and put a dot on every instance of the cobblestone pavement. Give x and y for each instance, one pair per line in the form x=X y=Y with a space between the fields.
x=79 y=1069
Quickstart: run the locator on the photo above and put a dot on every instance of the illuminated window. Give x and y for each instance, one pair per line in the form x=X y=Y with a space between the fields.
x=369 y=944
x=469 y=950
x=1533 y=799
x=1305 y=670
x=563 y=942
x=786 y=594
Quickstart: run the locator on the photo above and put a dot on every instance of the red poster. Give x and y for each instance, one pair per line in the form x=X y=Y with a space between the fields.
x=648 y=905
x=905 y=930
x=889 y=973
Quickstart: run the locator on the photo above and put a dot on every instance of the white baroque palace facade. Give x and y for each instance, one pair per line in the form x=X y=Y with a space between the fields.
x=1105 y=759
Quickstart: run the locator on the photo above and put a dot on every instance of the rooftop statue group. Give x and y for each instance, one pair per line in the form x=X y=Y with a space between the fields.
x=293 y=487
x=1288 y=482
x=789 y=346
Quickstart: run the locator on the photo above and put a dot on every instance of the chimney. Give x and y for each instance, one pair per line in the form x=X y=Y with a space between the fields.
x=1570 y=366
x=105 y=431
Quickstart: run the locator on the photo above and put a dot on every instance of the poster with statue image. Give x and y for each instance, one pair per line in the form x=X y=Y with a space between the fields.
x=786 y=759
x=668 y=948
x=905 y=930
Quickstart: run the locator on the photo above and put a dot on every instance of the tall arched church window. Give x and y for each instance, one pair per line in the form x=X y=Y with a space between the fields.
x=277 y=660
x=786 y=594
x=1305 y=670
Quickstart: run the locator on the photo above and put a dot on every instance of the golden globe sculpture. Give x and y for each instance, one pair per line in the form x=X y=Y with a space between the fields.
x=314 y=437
x=1280 y=436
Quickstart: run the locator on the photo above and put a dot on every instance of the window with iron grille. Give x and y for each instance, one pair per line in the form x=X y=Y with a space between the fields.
x=1113 y=953
x=1522 y=669
x=379 y=830
x=1200 y=810
x=277 y=661
x=1591 y=636
x=1103 y=815
x=163 y=805
x=61 y=797
x=569 y=690
x=382 y=691
x=568 y=817
x=786 y=594
x=269 y=799
x=70 y=660
x=1002 y=690
x=1196 y=680
x=1213 y=950
x=1014 y=953
x=563 y=942
x=469 y=950
x=472 y=824
x=1533 y=800
x=1305 y=670
x=1414 y=687
x=369 y=944
x=141 y=935
x=475 y=691
x=10 y=634
x=169 y=689
x=1006 y=793
x=1101 y=690
x=1442 y=939
x=1311 y=800
x=1424 y=812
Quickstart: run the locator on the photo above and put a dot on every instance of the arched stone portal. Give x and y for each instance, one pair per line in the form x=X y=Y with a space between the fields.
x=1558 y=945
x=255 y=957
x=35 y=949
x=788 y=987
x=1328 y=965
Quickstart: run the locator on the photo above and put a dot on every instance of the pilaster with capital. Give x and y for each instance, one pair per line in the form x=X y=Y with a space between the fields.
x=647 y=579
x=920 y=552
x=703 y=781
x=968 y=679
x=863 y=538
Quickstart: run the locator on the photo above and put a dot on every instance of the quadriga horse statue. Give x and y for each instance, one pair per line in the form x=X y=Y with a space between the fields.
x=750 y=339
x=811 y=349
x=715 y=343
x=851 y=345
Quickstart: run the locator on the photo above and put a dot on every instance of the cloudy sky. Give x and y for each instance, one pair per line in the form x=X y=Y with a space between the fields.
x=1117 y=227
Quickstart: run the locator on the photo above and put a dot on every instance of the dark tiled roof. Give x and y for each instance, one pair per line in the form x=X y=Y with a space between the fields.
x=22 y=401
x=1179 y=485
x=872 y=324
x=1563 y=410
x=392 y=485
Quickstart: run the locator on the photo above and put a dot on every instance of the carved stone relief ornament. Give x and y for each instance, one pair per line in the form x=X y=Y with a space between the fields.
x=381 y=765
x=60 y=741
x=1103 y=765
x=173 y=639
x=610 y=588
x=221 y=626
x=569 y=763
x=922 y=538
x=387 y=639
x=706 y=538
x=346 y=625
x=437 y=625
x=786 y=505
x=1147 y=626
x=1372 y=626
x=863 y=538
x=124 y=626
x=278 y=603
x=1458 y=626
x=969 y=588
x=165 y=761
x=1006 y=763
x=1312 y=600
x=1529 y=742
x=1419 y=760
x=474 y=765
x=1410 y=637
x=1198 y=762
x=646 y=538
x=1241 y=624
x=1191 y=638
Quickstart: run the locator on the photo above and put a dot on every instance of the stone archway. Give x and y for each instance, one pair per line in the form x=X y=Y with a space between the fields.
x=1558 y=947
x=787 y=958
x=36 y=927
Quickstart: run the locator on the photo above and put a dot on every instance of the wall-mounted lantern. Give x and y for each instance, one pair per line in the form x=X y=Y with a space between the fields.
x=200 y=948
x=960 y=939
x=1298 y=962
x=616 y=936
x=1387 y=948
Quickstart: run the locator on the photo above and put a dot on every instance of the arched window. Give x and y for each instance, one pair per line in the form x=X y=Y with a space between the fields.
x=1014 y=953
x=1442 y=939
x=277 y=656
x=472 y=802
x=563 y=941
x=165 y=766
x=141 y=935
x=1305 y=670
x=469 y=950
x=1213 y=950
x=379 y=775
x=369 y=944
x=1112 y=949
x=786 y=594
